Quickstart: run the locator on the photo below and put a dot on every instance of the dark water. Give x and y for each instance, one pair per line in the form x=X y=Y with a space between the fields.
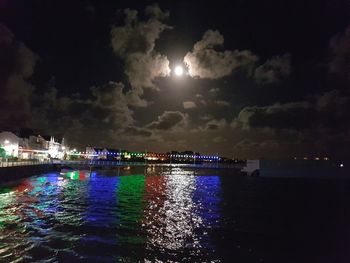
x=173 y=215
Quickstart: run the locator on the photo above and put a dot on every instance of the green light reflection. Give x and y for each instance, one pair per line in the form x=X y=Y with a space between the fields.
x=130 y=206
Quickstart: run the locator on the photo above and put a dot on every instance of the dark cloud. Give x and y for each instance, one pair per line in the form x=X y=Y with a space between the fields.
x=273 y=70
x=206 y=62
x=155 y=12
x=135 y=131
x=261 y=149
x=215 y=124
x=90 y=11
x=109 y=95
x=169 y=120
x=209 y=123
x=340 y=47
x=317 y=126
x=16 y=58
x=6 y=36
x=17 y=64
x=206 y=117
x=298 y=115
x=219 y=139
x=334 y=110
x=207 y=102
x=334 y=101
x=98 y=117
x=222 y=103
x=110 y=99
x=214 y=90
x=244 y=144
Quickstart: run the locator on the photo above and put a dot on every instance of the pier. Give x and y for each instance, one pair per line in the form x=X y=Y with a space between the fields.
x=107 y=164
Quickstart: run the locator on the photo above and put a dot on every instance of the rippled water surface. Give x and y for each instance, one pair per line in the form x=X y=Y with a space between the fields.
x=173 y=215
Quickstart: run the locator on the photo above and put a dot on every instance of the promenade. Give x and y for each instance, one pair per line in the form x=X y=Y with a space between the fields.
x=22 y=163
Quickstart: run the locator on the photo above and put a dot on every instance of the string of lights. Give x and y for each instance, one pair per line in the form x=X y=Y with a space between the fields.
x=144 y=155
x=130 y=154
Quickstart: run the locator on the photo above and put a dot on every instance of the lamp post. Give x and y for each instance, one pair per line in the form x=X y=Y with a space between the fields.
x=6 y=142
x=145 y=157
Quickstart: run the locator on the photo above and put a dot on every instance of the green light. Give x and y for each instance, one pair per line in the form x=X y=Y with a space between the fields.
x=42 y=180
x=73 y=175
x=6 y=215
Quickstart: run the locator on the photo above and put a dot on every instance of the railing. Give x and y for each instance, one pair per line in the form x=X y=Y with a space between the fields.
x=116 y=163
x=122 y=163
x=5 y=163
x=99 y=163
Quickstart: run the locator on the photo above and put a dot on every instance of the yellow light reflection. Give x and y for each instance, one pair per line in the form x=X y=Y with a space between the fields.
x=171 y=224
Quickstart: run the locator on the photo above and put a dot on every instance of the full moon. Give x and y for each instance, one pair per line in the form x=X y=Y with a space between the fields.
x=179 y=71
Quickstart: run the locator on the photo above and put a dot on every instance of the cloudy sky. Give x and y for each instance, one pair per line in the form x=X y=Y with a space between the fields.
x=262 y=78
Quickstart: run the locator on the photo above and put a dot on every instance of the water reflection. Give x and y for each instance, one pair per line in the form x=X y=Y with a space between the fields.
x=125 y=214
x=129 y=208
x=101 y=196
x=177 y=218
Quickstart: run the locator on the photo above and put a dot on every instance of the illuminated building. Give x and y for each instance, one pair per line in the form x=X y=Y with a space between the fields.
x=10 y=142
x=31 y=146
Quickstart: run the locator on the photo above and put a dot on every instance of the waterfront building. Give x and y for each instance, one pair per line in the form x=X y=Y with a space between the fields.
x=102 y=153
x=31 y=146
x=10 y=143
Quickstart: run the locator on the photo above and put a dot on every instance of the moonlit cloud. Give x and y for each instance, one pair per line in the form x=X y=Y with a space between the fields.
x=169 y=120
x=134 y=42
x=205 y=62
x=142 y=69
x=189 y=104
x=133 y=97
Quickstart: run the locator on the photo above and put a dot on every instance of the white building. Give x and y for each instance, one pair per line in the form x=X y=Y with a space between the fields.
x=10 y=142
x=32 y=147
x=96 y=153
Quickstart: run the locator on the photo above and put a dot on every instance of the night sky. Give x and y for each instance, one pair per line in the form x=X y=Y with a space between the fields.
x=262 y=78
